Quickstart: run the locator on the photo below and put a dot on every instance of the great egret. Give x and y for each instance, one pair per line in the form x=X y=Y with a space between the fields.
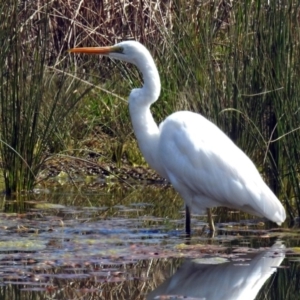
x=204 y=166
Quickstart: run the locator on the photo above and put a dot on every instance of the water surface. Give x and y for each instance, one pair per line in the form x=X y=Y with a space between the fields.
x=127 y=242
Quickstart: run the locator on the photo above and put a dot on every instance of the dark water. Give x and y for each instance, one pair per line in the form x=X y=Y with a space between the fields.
x=118 y=242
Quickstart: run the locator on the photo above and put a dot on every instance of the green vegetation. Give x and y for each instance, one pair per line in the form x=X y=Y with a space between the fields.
x=34 y=98
x=237 y=63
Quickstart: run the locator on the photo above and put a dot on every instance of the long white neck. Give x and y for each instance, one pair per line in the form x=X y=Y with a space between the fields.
x=140 y=100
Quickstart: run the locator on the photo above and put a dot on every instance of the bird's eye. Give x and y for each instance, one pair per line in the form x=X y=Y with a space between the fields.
x=119 y=50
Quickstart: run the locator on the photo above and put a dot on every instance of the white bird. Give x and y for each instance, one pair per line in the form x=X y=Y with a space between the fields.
x=204 y=166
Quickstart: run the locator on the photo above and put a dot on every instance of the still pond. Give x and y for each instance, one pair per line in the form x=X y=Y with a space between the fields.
x=127 y=242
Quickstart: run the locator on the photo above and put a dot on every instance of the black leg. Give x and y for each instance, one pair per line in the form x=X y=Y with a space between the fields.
x=187 y=221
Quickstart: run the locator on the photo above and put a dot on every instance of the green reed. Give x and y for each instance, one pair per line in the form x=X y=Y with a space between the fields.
x=238 y=64
x=34 y=99
x=235 y=62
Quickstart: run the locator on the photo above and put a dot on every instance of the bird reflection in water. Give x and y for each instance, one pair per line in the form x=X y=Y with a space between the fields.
x=214 y=278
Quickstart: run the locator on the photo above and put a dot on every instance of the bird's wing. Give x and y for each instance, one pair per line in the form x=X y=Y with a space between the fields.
x=208 y=169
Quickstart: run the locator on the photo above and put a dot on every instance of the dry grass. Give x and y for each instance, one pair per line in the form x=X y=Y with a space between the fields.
x=74 y=23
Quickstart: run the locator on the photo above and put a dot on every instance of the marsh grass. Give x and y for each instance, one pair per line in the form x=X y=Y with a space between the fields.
x=34 y=99
x=238 y=64
x=235 y=62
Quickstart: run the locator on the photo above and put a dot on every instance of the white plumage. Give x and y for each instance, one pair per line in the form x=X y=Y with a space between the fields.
x=210 y=170
x=205 y=167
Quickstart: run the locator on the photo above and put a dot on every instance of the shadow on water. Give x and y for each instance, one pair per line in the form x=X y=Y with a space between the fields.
x=120 y=242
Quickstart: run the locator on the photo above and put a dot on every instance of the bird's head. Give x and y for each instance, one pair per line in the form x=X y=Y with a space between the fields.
x=134 y=53
x=129 y=51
